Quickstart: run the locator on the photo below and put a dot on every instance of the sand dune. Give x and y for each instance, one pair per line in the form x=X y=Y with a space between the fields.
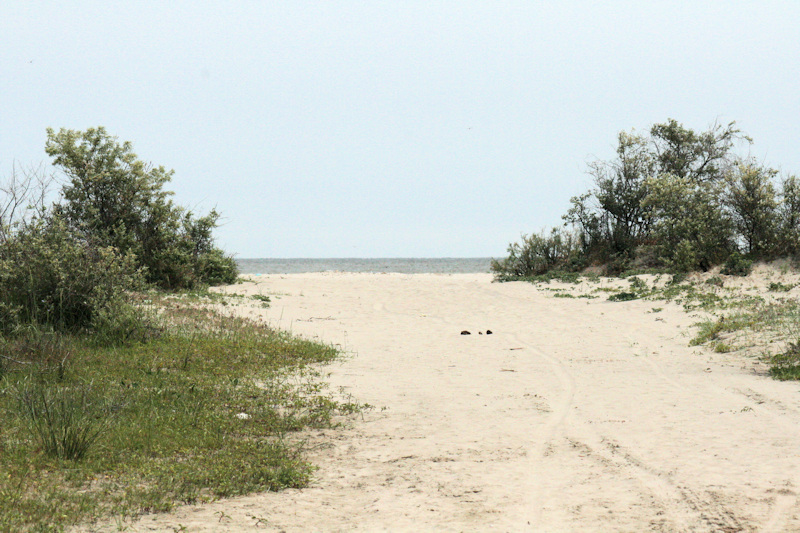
x=574 y=415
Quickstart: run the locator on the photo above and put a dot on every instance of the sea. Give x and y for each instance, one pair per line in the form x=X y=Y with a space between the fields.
x=426 y=265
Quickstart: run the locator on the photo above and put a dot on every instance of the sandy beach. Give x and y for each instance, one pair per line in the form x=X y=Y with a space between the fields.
x=573 y=415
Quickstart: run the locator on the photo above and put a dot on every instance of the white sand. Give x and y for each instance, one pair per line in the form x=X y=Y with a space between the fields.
x=575 y=415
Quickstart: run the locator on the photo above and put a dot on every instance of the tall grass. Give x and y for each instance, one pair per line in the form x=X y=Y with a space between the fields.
x=65 y=421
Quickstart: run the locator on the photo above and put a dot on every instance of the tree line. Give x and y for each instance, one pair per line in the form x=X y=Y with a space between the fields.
x=671 y=199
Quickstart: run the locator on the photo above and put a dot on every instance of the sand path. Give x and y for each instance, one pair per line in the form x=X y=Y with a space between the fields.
x=575 y=415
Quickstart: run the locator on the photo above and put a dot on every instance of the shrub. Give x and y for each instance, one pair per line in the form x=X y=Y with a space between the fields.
x=789 y=217
x=684 y=258
x=50 y=276
x=689 y=224
x=752 y=200
x=736 y=265
x=116 y=200
x=537 y=254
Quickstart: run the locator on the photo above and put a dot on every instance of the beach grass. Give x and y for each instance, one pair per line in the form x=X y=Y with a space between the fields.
x=210 y=407
x=762 y=324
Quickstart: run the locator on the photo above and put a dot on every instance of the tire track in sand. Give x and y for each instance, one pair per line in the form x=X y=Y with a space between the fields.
x=555 y=429
x=682 y=508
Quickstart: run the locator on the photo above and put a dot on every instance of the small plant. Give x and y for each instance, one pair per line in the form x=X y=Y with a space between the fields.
x=623 y=297
x=637 y=284
x=677 y=278
x=780 y=287
x=716 y=281
x=709 y=331
x=721 y=347
x=786 y=365
x=66 y=421
x=265 y=300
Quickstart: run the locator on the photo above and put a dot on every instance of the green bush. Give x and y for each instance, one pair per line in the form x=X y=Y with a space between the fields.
x=789 y=217
x=684 y=258
x=736 y=265
x=116 y=200
x=690 y=226
x=52 y=277
x=752 y=200
x=537 y=254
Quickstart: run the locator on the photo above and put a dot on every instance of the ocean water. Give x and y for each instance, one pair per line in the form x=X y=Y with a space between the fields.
x=470 y=265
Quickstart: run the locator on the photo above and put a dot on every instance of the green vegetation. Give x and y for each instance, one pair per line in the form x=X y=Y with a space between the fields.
x=113 y=199
x=205 y=409
x=674 y=200
x=623 y=297
x=786 y=365
x=780 y=287
x=119 y=398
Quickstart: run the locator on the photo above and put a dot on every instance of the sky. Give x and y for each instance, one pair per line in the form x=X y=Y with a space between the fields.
x=391 y=129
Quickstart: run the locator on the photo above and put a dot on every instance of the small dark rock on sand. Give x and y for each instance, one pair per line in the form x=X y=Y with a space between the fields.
x=465 y=332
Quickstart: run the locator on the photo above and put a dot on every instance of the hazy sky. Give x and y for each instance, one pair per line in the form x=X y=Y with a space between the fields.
x=391 y=129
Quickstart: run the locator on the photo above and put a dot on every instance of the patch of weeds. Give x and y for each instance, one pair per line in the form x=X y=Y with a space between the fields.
x=637 y=284
x=754 y=317
x=656 y=309
x=265 y=300
x=639 y=271
x=46 y=352
x=786 y=365
x=623 y=297
x=606 y=289
x=716 y=281
x=709 y=331
x=587 y=296
x=677 y=278
x=690 y=296
x=547 y=277
x=638 y=289
x=563 y=295
x=721 y=347
x=201 y=295
x=780 y=287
